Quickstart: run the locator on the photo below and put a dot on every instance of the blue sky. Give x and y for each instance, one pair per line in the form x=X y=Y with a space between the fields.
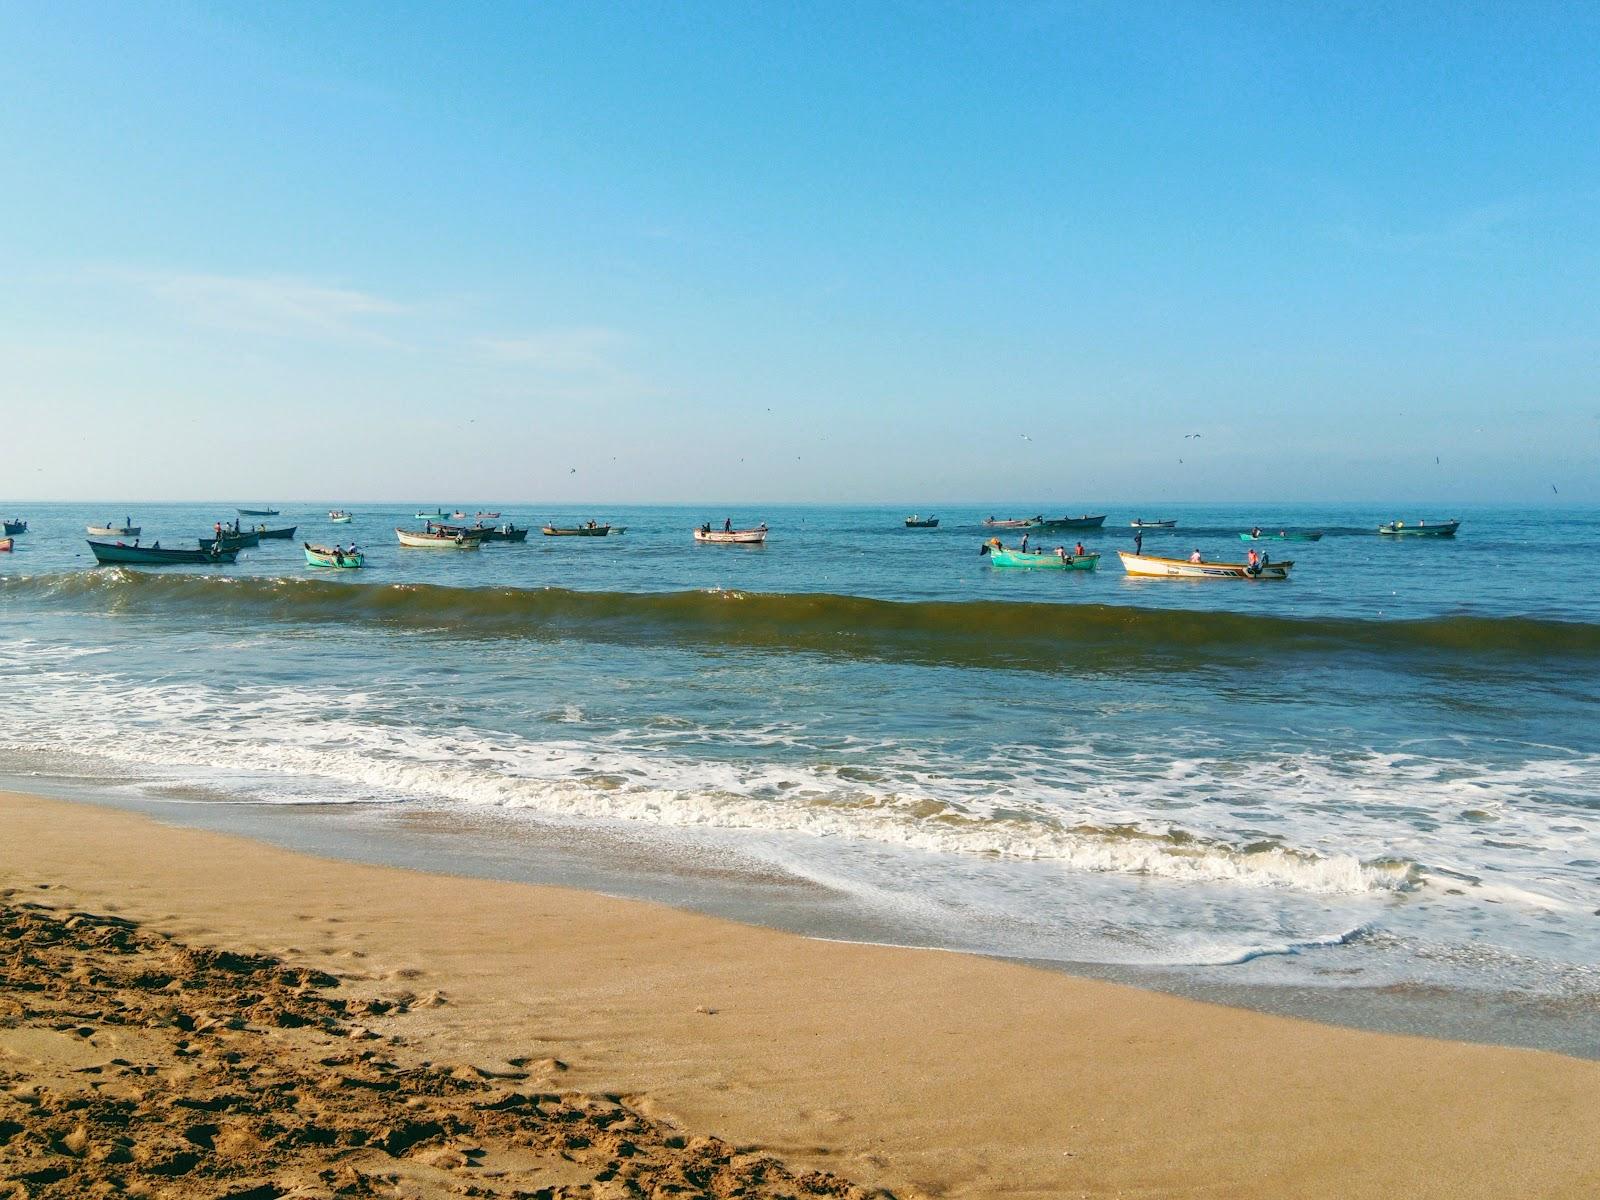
x=831 y=252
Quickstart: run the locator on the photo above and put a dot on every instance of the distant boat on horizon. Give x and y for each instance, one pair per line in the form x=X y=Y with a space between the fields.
x=256 y=512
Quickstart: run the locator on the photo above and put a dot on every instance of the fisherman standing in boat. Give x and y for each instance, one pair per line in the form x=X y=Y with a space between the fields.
x=1195 y=557
x=1138 y=543
x=1078 y=551
x=727 y=524
x=1024 y=543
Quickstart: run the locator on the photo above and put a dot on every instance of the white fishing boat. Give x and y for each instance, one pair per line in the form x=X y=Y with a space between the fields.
x=339 y=517
x=1138 y=523
x=112 y=530
x=1181 y=568
x=437 y=541
x=740 y=537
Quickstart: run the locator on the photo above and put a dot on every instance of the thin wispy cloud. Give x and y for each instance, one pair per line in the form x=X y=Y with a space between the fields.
x=574 y=349
x=1486 y=228
x=277 y=306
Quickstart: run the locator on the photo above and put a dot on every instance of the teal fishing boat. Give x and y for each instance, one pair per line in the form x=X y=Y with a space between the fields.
x=333 y=556
x=917 y=521
x=1047 y=560
x=1283 y=535
x=1420 y=529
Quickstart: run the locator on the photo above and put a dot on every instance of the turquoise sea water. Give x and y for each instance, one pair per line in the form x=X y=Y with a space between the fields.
x=1382 y=775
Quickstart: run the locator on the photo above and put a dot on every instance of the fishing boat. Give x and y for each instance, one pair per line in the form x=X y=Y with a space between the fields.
x=14 y=527
x=242 y=540
x=1049 y=560
x=437 y=514
x=428 y=540
x=6 y=543
x=1136 y=523
x=487 y=516
x=118 y=552
x=281 y=534
x=256 y=512
x=1283 y=535
x=339 y=517
x=589 y=530
x=1182 y=568
x=505 y=533
x=332 y=556
x=732 y=537
x=919 y=522
x=1084 y=522
x=116 y=531
x=618 y=530
x=1420 y=529
x=1014 y=522
x=471 y=531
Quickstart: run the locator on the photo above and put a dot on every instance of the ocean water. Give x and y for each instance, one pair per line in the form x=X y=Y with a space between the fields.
x=1380 y=777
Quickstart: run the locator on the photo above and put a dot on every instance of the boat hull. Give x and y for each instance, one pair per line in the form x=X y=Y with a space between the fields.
x=111 y=552
x=327 y=556
x=1043 y=560
x=233 y=541
x=286 y=535
x=1015 y=523
x=506 y=533
x=256 y=512
x=12 y=528
x=1152 y=524
x=340 y=518
x=578 y=531
x=1149 y=566
x=922 y=522
x=1280 y=537
x=1084 y=522
x=6 y=544
x=437 y=541
x=1440 y=529
x=112 y=530
x=731 y=537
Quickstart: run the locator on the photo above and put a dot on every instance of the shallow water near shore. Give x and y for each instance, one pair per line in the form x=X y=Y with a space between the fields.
x=1371 y=793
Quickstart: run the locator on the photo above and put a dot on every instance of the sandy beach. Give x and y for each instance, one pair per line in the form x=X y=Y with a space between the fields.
x=455 y=1036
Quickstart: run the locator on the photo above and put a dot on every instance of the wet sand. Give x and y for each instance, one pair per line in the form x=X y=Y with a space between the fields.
x=489 y=1021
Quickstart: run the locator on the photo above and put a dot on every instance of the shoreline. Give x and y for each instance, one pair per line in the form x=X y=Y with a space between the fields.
x=495 y=844
x=926 y=1073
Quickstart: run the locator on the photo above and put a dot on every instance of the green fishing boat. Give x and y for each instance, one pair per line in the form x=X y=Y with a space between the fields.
x=332 y=556
x=1283 y=535
x=1420 y=529
x=1048 y=560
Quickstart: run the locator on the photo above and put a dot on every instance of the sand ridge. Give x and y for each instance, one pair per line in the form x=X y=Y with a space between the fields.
x=133 y=1064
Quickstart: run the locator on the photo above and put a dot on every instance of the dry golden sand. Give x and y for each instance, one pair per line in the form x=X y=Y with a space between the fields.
x=925 y=1074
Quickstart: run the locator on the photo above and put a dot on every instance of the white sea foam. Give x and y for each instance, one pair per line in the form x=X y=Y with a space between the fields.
x=1160 y=820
